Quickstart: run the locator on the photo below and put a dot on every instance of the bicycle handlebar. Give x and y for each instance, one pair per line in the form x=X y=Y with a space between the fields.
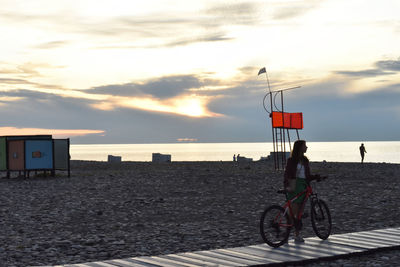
x=319 y=179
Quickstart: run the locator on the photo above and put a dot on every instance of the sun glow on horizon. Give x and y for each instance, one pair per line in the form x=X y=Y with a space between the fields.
x=191 y=106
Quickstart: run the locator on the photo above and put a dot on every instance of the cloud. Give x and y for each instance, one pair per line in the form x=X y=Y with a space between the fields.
x=393 y=65
x=160 y=88
x=171 y=94
x=244 y=14
x=57 y=133
x=328 y=114
x=365 y=73
x=291 y=9
x=382 y=68
x=14 y=81
x=187 y=139
x=20 y=75
x=149 y=30
x=51 y=45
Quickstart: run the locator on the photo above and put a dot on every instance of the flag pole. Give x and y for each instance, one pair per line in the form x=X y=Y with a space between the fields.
x=269 y=87
x=262 y=70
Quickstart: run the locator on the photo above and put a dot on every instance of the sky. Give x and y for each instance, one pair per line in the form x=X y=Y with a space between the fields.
x=127 y=71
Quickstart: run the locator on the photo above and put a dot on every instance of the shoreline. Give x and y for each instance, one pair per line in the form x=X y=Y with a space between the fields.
x=382 y=151
x=118 y=210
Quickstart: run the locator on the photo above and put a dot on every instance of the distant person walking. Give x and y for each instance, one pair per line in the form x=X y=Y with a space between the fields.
x=362 y=152
x=234 y=157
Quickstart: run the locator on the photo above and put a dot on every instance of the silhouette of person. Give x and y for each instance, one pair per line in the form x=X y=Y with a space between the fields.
x=362 y=152
x=234 y=157
x=297 y=175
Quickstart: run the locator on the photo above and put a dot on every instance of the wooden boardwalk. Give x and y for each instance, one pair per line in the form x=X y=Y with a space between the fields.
x=261 y=255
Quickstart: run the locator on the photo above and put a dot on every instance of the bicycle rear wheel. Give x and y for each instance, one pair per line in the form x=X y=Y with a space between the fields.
x=275 y=226
x=321 y=218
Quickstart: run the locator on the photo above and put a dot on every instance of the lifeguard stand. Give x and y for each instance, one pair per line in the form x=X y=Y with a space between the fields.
x=281 y=123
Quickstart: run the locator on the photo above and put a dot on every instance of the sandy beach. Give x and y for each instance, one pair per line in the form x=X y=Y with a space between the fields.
x=110 y=211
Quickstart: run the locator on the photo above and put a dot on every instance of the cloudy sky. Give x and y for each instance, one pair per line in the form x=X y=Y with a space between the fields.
x=127 y=71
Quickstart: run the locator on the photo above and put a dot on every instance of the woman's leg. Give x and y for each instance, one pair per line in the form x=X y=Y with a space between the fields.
x=295 y=209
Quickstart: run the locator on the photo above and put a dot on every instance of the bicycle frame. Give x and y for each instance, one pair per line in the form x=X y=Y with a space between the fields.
x=277 y=220
x=288 y=205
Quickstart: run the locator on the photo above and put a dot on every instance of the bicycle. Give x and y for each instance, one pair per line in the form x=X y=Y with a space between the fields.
x=276 y=223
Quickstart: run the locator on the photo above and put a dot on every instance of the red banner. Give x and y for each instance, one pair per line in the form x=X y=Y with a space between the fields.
x=287 y=120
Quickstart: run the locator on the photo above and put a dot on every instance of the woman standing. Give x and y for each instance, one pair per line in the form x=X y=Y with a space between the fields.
x=297 y=175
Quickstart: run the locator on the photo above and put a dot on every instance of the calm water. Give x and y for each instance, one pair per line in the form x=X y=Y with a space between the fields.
x=317 y=151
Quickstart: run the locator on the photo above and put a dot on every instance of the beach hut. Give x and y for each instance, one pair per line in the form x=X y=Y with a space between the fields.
x=34 y=153
x=3 y=154
x=158 y=157
x=61 y=155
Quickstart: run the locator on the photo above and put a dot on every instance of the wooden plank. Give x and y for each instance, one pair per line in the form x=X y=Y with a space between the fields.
x=254 y=252
x=131 y=262
x=302 y=250
x=90 y=264
x=209 y=260
x=99 y=264
x=160 y=262
x=313 y=249
x=376 y=236
x=179 y=259
x=378 y=242
x=243 y=255
x=183 y=258
x=335 y=246
x=387 y=239
x=357 y=242
x=264 y=253
x=176 y=262
x=386 y=233
x=272 y=253
x=393 y=231
x=231 y=258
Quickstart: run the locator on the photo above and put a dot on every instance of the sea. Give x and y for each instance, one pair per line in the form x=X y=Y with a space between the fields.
x=377 y=151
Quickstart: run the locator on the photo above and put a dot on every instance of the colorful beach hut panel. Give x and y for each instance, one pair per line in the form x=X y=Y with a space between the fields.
x=38 y=154
x=61 y=154
x=3 y=154
x=287 y=120
x=16 y=155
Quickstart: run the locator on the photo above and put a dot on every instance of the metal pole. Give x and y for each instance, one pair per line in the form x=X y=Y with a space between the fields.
x=284 y=141
x=272 y=127
x=272 y=110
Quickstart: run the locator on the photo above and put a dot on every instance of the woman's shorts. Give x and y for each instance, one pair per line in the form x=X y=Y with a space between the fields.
x=301 y=185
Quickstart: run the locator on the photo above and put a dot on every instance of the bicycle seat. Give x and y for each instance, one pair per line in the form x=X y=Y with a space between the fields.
x=281 y=191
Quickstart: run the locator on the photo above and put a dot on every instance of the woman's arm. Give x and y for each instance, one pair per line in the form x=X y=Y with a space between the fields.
x=290 y=172
x=310 y=176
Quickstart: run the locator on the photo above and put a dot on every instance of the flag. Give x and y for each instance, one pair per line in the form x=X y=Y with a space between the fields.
x=262 y=70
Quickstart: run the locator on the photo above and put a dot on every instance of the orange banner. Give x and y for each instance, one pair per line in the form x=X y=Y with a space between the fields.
x=287 y=120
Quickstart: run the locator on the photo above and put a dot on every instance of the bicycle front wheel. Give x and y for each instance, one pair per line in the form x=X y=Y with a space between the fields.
x=321 y=218
x=274 y=226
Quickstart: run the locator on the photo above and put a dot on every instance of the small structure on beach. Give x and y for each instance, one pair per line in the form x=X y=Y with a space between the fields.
x=34 y=153
x=114 y=159
x=243 y=159
x=157 y=157
x=281 y=122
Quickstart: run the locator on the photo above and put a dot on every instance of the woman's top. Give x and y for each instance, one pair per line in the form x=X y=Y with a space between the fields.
x=300 y=172
x=293 y=171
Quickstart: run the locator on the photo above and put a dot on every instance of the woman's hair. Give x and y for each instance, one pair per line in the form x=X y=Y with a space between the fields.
x=297 y=154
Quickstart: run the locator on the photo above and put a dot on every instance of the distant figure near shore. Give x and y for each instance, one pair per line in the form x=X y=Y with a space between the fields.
x=234 y=157
x=362 y=152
